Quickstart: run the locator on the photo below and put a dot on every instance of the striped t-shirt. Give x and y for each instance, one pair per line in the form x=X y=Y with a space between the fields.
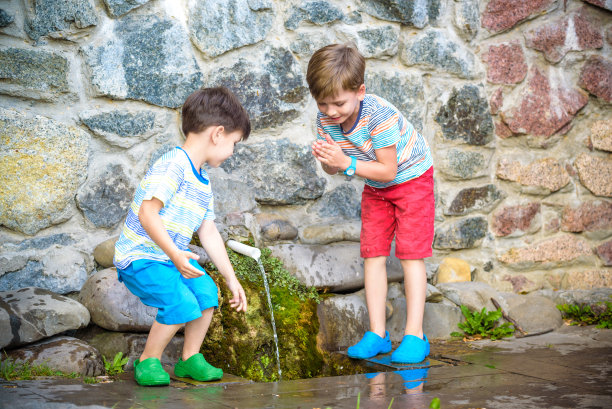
x=380 y=125
x=188 y=201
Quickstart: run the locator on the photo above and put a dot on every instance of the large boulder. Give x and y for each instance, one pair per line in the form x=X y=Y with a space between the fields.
x=65 y=354
x=533 y=313
x=31 y=314
x=113 y=306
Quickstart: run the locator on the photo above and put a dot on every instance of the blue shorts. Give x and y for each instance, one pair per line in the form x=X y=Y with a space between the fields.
x=159 y=284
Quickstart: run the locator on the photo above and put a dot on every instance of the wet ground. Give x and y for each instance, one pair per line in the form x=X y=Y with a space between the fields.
x=568 y=368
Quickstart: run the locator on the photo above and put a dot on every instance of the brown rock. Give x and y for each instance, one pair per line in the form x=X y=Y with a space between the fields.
x=544 y=108
x=544 y=173
x=587 y=280
x=105 y=252
x=601 y=135
x=577 y=32
x=590 y=216
x=595 y=174
x=505 y=63
x=521 y=284
x=604 y=251
x=453 y=270
x=496 y=101
x=609 y=35
x=511 y=219
x=500 y=15
x=596 y=77
x=502 y=130
x=555 y=251
x=483 y=198
x=275 y=227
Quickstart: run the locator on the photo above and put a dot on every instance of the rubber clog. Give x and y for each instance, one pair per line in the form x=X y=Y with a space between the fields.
x=150 y=373
x=370 y=346
x=413 y=377
x=412 y=350
x=197 y=368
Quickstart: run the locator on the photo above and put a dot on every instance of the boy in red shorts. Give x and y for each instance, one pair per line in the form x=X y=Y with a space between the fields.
x=363 y=134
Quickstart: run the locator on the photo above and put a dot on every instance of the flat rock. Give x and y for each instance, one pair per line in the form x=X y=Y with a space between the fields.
x=595 y=77
x=59 y=20
x=517 y=220
x=474 y=295
x=33 y=314
x=578 y=297
x=113 y=306
x=595 y=173
x=475 y=199
x=463 y=164
x=533 y=313
x=117 y=8
x=587 y=279
x=542 y=176
x=501 y=15
x=331 y=232
x=124 y=128
x=62 y=353
x=591 y=216
x=553 y=252
x=440 y=319
x=418 y=14
x=505 y=63
x=344 y=202
x=104 y=253
x=601 y=135
x=314 y=12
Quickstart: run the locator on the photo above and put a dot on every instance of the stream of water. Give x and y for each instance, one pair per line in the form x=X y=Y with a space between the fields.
x=265 y=280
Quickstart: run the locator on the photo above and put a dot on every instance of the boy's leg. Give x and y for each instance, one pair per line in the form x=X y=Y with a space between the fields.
x=415 y=286
x=159 y=337
x=375 y=271
x=195 y=332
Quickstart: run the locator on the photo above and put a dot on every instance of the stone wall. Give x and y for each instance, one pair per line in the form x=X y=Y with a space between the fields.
x=514 y=98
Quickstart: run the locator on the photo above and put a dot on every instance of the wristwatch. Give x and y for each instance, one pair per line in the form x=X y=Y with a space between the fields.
x=350 y=171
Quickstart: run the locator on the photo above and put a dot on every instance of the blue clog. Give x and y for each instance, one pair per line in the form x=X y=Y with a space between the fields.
x=411 y=351
x=370 y=346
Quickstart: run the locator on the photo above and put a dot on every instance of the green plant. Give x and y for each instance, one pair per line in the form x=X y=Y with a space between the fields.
x=483 y=324
x=23 y=370
x=435 y=403
x=115 y=367
x=584 y=314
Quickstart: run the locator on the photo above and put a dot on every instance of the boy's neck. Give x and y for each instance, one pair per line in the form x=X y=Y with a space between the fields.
x=196 y=147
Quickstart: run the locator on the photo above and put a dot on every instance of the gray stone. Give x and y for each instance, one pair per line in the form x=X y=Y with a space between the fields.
x=272 y=90
x=344 y=202
x=461 y=234
x=306 y=44
x=113 y=306
x=104 y=253
x=333 y=267
x=377 y=42
x=467 y=18
x=199 y=251
x=225 y=189
x=462 y=164
x=159 y=152
x=145 y=58
x=326 y=233
x=31 y=314
x=343 y=319
x=59 y=19
x=218 y=26
x=435 y=49
x=117 y=8
x=472 y=294
x=354 y=17
x=66 y=354
x=6 y=19
x=577 y=297
x=533 y=313
x=416 y=13
x=433 y=294
x=404 y=91
x=279 y=172
x=315 y=12
x=275 y=227
x=33 y=74
x=123 y=128
x=475 y=199
x=105 y=199
x=466 y=116
x=42 y=163
x=440 y=319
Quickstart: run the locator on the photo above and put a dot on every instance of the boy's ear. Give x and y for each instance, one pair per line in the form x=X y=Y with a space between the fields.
x=361 y=92
x=217 y=133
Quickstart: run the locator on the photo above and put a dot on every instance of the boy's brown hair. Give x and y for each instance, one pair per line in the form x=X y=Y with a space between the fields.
x=334 y=68
x=212 y=107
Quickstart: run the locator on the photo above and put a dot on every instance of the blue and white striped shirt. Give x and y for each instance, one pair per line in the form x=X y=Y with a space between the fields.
x=188 y=201
x=380 y=125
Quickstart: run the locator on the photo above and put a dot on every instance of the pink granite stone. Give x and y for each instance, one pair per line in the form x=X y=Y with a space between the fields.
x=595 y=215
x=604 y=4
x=505 y=63
x=502 y=130
x=601 y=135
x=500 y=15
x=587 y=280
x=595 y=173
x=520 y=283
x=577 y=32
x=604 y=251
x=555 y=251
x=511 y=219
x=544 y=108
x=596 y=77
x=496 y=101
x=545 y=173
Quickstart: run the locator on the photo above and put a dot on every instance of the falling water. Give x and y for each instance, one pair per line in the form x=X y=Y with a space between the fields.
x=265 y=280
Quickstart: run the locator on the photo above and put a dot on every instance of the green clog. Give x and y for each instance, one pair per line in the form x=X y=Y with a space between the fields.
x=150 y=373
x=197 y=368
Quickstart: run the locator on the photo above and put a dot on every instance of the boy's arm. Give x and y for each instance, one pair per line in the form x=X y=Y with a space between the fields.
x=153 y=225
x=215 y=248
x=383 y=169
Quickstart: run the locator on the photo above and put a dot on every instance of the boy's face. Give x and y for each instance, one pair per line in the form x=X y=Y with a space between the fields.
x=343 y=107
x=224 y=147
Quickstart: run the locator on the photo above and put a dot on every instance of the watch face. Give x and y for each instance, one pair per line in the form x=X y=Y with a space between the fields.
x=350 y=171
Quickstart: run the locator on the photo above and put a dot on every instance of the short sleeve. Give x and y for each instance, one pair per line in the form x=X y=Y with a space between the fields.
x=384 y=128
x=320 y=131
x=210 y=211
x=163 y=180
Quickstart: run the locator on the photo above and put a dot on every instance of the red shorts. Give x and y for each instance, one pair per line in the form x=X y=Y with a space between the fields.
x=405 y=211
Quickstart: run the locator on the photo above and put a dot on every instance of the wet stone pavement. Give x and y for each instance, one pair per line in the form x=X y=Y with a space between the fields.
x=568 y=368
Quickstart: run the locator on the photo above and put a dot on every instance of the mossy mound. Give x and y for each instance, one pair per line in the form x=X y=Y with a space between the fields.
x=243 y=343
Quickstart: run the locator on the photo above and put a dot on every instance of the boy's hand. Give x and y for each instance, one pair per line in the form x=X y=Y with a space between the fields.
x=330 y=153
x=238 y=300
x=181 y=262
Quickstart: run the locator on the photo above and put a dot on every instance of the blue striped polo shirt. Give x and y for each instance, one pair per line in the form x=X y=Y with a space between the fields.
x=380 y=125
x=188 y=201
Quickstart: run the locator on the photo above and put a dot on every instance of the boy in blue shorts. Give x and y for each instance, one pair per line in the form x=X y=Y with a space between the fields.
x=363 y=134
x=172 y=201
